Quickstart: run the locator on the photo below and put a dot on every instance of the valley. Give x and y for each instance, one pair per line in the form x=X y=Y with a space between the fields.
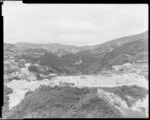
x=109 y=80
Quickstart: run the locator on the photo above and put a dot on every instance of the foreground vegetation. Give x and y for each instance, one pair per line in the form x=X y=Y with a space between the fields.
x=63 y=102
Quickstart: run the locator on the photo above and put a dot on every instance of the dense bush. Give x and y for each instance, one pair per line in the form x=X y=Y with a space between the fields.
x=49 y=59
x=7 y=90
x=33 y=68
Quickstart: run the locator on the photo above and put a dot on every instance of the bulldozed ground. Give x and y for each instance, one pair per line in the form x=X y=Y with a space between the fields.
x=50 y=100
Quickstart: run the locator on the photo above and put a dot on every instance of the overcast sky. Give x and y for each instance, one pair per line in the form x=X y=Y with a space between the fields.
x=72 y=24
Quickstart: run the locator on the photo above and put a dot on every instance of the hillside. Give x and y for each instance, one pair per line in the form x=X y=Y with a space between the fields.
x=129 y=52
x=109 y=80
x=123 y=40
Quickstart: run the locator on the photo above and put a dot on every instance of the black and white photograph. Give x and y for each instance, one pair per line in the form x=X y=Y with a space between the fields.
x=75 y=60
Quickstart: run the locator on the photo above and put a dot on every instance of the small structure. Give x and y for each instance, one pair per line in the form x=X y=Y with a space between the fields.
x=64 y=84
x=82 y=77
x=53 y=74
x=78 y=62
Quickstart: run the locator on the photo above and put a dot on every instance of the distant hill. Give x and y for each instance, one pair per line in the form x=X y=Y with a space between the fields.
x=123 y=40
x=54 y=48
x=131 y=49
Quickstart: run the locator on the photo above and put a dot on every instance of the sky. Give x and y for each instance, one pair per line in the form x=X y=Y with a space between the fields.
x=72 y=24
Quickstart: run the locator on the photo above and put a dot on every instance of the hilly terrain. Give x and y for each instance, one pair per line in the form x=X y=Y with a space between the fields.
x=88 y=59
